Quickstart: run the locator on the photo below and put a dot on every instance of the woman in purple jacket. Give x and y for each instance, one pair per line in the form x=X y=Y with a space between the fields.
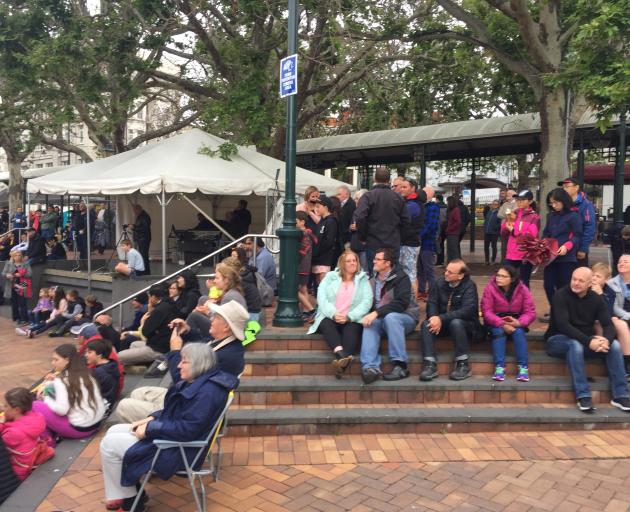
x=508 y=308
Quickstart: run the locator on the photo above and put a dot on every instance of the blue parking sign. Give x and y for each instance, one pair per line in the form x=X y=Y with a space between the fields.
x=288 y=75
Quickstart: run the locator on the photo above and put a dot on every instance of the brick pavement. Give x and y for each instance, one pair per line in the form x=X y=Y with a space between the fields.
x=560 y=471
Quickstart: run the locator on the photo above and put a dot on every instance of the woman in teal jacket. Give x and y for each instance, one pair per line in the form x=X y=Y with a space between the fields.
x=344 y=297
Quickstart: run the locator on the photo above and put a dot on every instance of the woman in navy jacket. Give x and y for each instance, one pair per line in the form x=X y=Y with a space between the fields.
x=191 y=407
x=564 y=225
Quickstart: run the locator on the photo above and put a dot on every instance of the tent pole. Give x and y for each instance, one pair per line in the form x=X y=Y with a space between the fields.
x=163 y=203
x=89 y=244
x=28 y=212
x=218 y=226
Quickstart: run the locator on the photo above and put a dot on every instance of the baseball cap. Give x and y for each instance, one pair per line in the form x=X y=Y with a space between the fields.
x=525 y=194
x=85 y=330
x=568 y=180
x=235 y=315
x=325 y=201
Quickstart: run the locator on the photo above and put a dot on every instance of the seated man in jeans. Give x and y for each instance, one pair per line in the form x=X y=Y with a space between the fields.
x=571 y=336
x=155 y=330
x=452 y=310
x=395 y=315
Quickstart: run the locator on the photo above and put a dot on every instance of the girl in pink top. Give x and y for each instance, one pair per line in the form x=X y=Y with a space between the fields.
x=522 y=221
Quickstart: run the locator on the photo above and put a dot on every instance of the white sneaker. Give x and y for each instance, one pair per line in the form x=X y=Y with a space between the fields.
x=20 y=332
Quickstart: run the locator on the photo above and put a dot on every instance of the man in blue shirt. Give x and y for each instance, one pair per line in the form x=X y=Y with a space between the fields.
x=428 y=237
x=586 y=212
x=264 y=263
x=135 y=263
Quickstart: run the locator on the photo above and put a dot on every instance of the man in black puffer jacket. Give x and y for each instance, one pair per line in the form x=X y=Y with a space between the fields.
x=452 y=309
x=381 y=216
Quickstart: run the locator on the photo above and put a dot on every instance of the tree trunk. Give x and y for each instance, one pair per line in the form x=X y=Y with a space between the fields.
x=16 y=183
x=553 y=141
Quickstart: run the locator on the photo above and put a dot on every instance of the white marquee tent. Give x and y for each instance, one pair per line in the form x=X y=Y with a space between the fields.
x=175 y=167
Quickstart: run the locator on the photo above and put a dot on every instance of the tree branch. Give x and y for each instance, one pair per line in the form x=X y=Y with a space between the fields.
x=165 y=130
x=187 y=86
x=64 y=145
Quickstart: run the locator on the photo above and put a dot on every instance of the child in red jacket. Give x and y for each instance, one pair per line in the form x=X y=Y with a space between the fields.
x=21 y=431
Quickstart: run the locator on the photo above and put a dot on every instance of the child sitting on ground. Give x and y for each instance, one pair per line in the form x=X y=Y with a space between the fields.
x=21 y=432
x=41 y=311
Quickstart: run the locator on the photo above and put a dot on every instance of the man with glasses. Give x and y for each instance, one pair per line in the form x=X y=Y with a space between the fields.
x=395 y=315
x=586 y=211
x=452 y=310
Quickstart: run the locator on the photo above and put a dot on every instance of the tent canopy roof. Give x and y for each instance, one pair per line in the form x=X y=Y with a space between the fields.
x=175 y=165
x=35 y=172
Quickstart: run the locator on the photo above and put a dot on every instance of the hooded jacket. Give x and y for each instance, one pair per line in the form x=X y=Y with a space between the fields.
x=327 y=298
x=526 y=222
x=410 y=235
x=396 y=296
x=463 y=300
x=520 y=304
x=108 y=377
x=327 y=233
x=20 y=437
x=190 y=411
x=618 y=306
x=586 y=211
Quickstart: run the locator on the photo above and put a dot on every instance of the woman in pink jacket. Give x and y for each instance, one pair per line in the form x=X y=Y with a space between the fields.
x=521 y=221
x=21 y=431
x=508 y=308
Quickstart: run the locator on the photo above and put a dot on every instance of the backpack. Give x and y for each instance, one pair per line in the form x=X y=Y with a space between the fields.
x=266 y=291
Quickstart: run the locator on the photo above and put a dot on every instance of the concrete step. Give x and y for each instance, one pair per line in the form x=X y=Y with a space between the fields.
x=317 y=362
x=281 y=340
x=306 y=390
x=455 y=418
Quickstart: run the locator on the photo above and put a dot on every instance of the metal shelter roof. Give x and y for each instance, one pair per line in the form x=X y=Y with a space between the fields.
x=496 y=136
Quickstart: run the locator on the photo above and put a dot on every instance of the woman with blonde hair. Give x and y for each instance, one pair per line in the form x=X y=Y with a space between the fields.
x=344 y=297
x=309 y=206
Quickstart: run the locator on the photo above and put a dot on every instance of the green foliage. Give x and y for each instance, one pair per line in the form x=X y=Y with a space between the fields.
x=226 y=151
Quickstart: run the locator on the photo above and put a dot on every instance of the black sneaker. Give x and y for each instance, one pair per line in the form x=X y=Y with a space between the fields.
x=370 y=375
x=397 y=373
x=621 y=403
x=461 y=371
x=585 y=404
x=429 y=371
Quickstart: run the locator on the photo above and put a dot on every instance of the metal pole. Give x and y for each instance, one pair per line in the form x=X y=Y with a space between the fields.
x=423 y=168
x=216 y=225
x=619 y=172
x=89 y=244
x=288 y=312
x=163 y=204
x=473 y=199
x=580 y=163
x=28 y=211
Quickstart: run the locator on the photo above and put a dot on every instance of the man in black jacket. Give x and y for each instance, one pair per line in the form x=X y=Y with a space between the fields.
x=452 y=309
x=156 y=330
x=571 y=336
x=381 y=216
x=36 y=250
x=395 y=315
x=348 y=207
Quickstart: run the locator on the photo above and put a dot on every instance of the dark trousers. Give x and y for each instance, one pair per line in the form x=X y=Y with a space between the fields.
x=143 y=249
x=584 y=262
x=18 y=307
x=504 y=242
x=439 y=260
x=557 y=274
x=456 y=329
x=525 y=269
x=452 y=248
x=490 y=241
x=346 y=335
x=82 y=246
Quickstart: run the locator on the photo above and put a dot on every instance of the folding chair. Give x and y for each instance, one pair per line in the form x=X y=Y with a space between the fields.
x=204 y=446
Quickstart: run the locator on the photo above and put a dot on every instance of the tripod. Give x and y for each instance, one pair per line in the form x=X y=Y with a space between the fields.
x=105 y=268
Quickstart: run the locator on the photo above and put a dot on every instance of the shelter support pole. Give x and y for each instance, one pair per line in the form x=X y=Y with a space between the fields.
x=288 y=311
x=619 y=172
x=28 y=211
x=580 y=163
x=89 y=243
x=216 y=225
x=164 y=203
x=419 y=156
x=473 y=199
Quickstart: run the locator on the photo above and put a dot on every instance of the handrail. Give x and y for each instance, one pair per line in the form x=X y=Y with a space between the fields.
x=12 y=230
x=194 y=264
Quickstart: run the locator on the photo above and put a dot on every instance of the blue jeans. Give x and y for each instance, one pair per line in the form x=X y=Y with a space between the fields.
x=426 y=270
x=574 y=353
x=499 y=338
x=395 y=326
